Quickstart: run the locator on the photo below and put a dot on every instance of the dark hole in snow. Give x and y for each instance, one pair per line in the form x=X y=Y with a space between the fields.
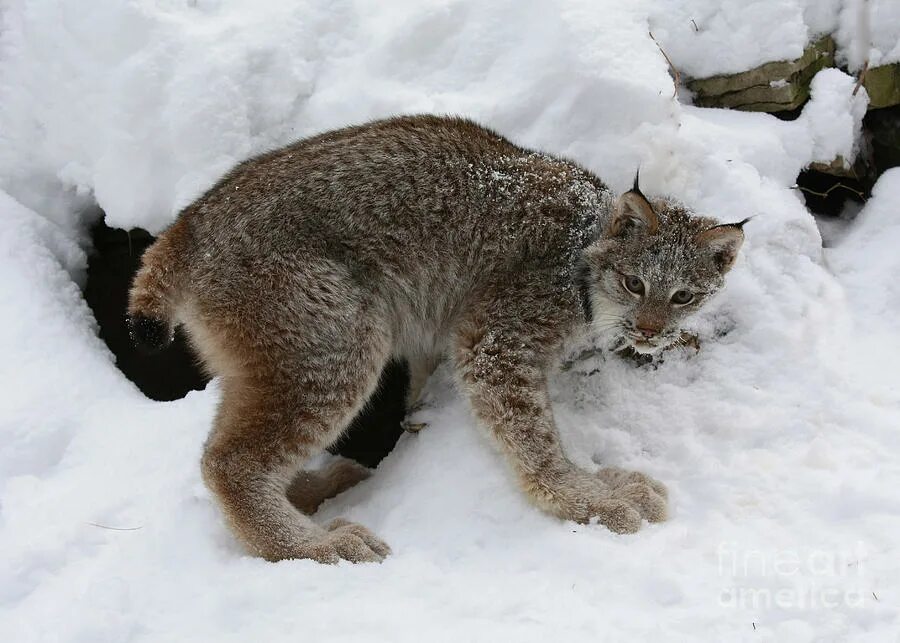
x=828 y=194
x=836 y=198
x=167 y=375
x=173 y=372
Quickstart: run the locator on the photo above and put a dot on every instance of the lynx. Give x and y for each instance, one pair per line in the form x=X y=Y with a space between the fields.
x=302 y=272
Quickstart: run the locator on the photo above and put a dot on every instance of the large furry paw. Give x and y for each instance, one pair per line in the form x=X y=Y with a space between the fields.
x=354 y=542
x=617 y=478
x=619 y=499
x=339 y=540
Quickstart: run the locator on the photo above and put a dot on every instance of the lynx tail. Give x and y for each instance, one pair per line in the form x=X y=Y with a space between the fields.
x=156 y=290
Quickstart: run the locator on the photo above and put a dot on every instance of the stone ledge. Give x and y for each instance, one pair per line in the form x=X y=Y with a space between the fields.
x=771 y=87
x=883 y=85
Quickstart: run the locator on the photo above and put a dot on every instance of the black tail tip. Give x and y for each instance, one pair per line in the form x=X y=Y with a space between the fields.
x=147 y=333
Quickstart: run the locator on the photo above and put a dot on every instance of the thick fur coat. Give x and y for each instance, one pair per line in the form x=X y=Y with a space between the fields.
x=304 y=270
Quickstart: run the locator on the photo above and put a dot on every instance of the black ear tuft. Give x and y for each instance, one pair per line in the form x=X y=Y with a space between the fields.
x=148 y=334
x=636 y=188
x=633 y=211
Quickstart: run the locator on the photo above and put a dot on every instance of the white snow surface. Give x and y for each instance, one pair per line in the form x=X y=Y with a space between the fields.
x=704 y=38
x=868 y=30
x=778 y=441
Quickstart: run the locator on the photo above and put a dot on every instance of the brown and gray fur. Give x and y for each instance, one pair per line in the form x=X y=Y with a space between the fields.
x=304 y=270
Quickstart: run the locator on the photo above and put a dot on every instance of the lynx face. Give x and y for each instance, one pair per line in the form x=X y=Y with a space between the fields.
x=655 y=265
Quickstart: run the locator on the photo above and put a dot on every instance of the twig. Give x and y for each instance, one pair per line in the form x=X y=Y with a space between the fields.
x=825 y=194
x=675 y=73
x=862 y=77
x=863 y=39
x=94 y=524
x=696 y=28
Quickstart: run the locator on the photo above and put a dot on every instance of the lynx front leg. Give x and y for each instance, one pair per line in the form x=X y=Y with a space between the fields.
x=502 y=367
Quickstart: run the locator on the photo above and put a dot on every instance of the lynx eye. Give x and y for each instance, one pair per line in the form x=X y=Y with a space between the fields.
x=633 y=284
x=682 y=297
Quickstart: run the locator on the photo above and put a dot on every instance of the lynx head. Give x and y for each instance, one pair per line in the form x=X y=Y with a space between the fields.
x=654 y=264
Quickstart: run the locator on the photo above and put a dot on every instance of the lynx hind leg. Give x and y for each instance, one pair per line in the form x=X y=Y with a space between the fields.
x=309 y=489
x=279 y=414
x=257 y=442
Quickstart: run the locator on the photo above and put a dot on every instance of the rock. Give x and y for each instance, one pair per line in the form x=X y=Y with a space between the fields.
x=883 y=85
x=771 y=87
x=860 y=169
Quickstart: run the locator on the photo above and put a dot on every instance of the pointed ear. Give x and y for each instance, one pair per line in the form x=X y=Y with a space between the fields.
x=723 y=241
x=633 y=211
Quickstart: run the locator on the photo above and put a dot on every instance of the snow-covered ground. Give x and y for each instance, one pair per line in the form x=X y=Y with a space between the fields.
x=778 y=441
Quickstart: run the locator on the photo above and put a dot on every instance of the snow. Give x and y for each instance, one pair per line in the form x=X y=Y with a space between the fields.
x=834 y=116
x=868 y=252
x=884 y=22
x=691 y=30
x=778 y=441
x=704 y=38
x=869 y=30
